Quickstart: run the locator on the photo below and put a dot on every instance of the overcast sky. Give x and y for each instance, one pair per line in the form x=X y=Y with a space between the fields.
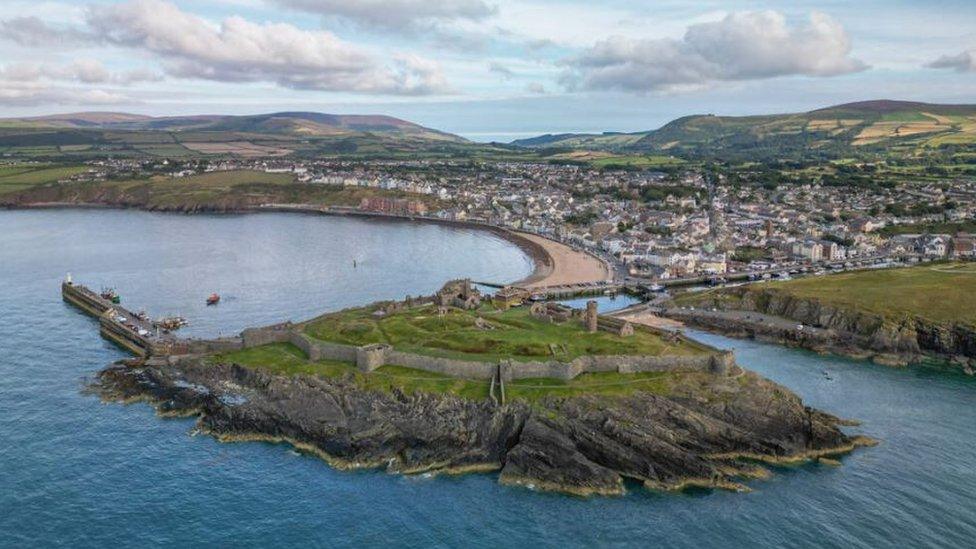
x=487 y=69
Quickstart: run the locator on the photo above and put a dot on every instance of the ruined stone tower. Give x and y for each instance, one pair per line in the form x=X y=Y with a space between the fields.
x=590 y=318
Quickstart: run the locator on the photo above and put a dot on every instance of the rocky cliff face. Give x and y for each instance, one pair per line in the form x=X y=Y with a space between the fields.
x=585 y=445
x=908 y=336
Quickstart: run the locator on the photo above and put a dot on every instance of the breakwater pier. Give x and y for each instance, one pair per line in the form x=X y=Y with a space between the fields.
x=140 y=336
x=116 y=323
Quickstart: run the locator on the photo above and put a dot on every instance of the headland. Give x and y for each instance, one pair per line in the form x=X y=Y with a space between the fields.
x=891 y=316
x=550 y=397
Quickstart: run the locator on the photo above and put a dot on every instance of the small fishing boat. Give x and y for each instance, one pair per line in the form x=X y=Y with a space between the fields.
x=171 y=323
x=213 y=299
x=111 y=295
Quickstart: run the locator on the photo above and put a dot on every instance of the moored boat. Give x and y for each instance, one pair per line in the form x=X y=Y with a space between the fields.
x=111 y=295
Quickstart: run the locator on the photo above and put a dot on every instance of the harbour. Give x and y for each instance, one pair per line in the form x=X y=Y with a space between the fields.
x=69 y=460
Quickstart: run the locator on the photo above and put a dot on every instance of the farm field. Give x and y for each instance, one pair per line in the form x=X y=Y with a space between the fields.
x=18 y=177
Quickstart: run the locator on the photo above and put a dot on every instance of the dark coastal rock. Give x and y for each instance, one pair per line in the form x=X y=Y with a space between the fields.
x=583 y=445
x=848 y=331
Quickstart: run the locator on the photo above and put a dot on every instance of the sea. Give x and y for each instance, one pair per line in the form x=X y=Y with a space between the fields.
x=77 y=472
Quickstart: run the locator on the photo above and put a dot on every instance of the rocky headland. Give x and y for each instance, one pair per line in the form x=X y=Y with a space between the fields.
x=707 y=430
x=776 y=315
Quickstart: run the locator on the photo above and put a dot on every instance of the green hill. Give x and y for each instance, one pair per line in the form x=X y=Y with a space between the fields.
x=307 y=124
x=275 y=134
x=854 y=128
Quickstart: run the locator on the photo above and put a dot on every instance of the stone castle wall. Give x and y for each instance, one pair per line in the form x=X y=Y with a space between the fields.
x=470 y=369
x=322 y=350
x=277 y=333
x=370 y=357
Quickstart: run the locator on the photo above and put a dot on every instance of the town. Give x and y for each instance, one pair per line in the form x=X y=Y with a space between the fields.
x=657 y=225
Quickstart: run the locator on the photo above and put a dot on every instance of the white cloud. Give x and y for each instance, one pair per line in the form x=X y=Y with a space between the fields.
x=34 y=32
x=235 y=50
x=28 y=94
x=741 y=46
x=962 y=62
x=394 y=14
x=238 y=50
x=84 y=71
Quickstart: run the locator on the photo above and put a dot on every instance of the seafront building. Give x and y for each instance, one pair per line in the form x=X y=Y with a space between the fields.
x=652 y=224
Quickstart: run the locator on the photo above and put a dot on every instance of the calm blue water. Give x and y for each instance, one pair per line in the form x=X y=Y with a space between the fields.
x=74 y=471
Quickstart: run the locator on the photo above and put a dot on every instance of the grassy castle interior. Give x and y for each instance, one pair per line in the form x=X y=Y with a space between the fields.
x=483 y=333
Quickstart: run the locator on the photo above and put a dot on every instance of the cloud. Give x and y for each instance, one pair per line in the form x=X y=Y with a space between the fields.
x=238 y=50
x=962 y=62
x=742 y=46
x=536 y=88
x=499 y=69
x=33 y=32
x=84 y=71
x=22 y=94
x=394 y=14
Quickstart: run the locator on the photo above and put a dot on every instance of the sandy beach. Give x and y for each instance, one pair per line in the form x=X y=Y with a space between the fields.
x=565 y=265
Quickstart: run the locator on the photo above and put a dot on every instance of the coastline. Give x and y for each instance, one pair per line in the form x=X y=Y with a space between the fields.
x=577 y=446
x=582 y=444
x=569 y=265
x=823 y=341
x=554 y=263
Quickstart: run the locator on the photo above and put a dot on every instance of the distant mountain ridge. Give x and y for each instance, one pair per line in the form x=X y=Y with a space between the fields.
x=852 y=126
x=312 y=124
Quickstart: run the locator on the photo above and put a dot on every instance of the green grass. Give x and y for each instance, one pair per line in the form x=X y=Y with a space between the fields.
x=286 y=359
x=24 y=176
x=226 y=189
x=173 y=150
x=931 y=228
x=644 y=162
x=515 y=334
x=939 y=292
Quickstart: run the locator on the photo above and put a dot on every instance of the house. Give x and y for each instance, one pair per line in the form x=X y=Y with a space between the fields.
x=510 y=296
x=935 y=246
x=964 y=246
x=864 y=225
x=808 y=249
x=713 y=264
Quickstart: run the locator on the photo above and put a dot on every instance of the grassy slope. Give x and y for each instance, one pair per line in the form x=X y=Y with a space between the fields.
x=286 y=359
x=515 y=335
x=942 y=292
x=835 y=131
x=24 y=176
x=930 y=228
x=221 y=190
